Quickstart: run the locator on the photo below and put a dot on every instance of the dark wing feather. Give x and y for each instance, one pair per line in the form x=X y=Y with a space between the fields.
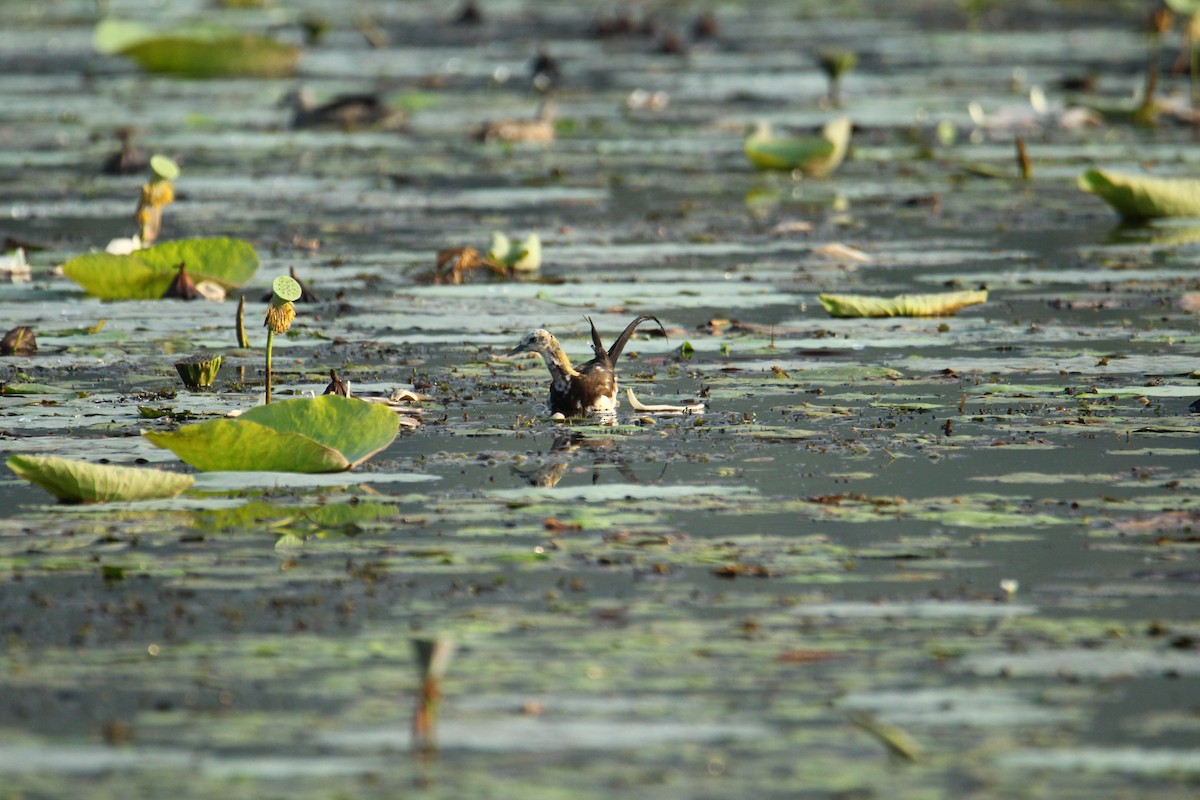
x=614 y=352
x=597 y=345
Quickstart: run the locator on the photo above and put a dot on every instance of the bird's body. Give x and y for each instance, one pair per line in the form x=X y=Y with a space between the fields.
x=345 y=112
x=591 y=388
x=538 y=129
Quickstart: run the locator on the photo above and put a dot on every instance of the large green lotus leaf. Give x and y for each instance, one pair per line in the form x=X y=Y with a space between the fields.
x=83 y=482
x=238 y=445
x=146 y=274
x=817 y=156
x=323 y=434
x=355 y=428
x=188 y=56
x=1140 y=197
x=905 y=305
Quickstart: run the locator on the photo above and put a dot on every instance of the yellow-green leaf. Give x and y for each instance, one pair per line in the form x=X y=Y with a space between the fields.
x=816 y=156
x=524 y=256
x=1139 y=197
x=905 y=305
x=83 y=482
x=242 y=55
x=146 y=274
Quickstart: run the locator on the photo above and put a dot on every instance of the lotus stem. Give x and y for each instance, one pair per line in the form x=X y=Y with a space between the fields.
x=1023 y=164
x=242 y=339
x=280 y=313
x=270 y=345
x=1158 y=24
x=433 y=658
x=1193 y=38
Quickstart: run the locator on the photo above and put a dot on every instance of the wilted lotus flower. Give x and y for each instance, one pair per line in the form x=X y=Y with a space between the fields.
x=183 y=287
x=156 y=195
x=284 y=291
x=337 y=385
x=280 y=313
x=19 y=341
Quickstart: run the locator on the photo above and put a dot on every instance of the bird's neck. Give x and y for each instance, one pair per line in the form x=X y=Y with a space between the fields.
x=561 y=371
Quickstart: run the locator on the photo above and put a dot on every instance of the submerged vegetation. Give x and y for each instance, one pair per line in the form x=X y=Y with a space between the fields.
x=906 y=507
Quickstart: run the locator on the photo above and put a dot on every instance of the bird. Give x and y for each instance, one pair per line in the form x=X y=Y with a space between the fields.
x=346 y=112
x=129 y=159
x=590 y=389
x=544 y=74
x=539 y=128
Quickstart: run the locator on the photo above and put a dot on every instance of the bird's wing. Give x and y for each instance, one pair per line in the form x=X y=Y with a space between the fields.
x=614 y=352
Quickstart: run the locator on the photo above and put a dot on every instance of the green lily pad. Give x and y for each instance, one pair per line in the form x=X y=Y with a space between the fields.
x=817 y=156
x=82 y=482
x=523 y=256
x=1141 y=197
x=146 y=274
x=244 y=55
x=323 y=434
x=936 y=304
x=197 y=50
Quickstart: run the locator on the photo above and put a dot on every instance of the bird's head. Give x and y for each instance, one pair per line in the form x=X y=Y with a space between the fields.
x=539 y=341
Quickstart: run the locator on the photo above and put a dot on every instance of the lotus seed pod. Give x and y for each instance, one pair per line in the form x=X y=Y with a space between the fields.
x=198 y=371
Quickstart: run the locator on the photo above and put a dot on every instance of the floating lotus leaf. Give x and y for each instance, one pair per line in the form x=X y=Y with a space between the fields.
x=146 y=274
x=1141 y=197
x=937 y=304
x=524 y=256
x=82 y=482
x=197 y=51
x=816 y=156
x=323 y=434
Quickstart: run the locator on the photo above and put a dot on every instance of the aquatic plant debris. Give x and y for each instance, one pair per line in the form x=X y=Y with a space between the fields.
x=660 y=408
x=937 y=304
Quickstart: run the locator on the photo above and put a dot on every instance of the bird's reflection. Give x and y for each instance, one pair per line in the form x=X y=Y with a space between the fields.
x=572 y=447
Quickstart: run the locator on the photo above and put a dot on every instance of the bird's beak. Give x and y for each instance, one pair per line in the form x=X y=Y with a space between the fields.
x=516 y=351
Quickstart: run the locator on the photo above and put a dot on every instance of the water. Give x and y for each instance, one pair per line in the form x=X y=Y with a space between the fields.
x=675 y=606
